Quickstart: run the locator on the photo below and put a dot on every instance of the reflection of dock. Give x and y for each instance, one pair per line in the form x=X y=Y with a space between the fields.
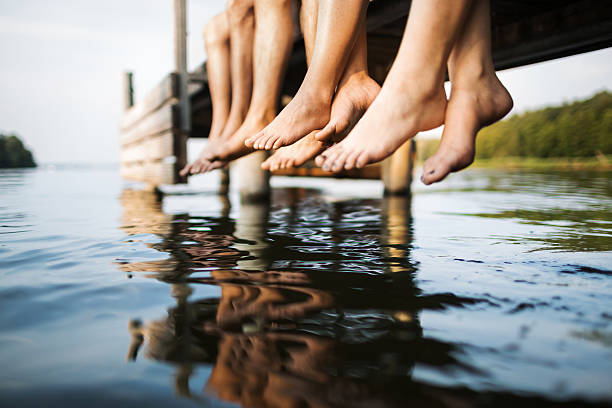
x=156 y=129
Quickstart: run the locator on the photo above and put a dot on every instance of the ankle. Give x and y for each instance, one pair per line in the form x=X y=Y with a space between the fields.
x=261 y=116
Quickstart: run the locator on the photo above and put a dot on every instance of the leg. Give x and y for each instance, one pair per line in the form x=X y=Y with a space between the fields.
x=337 y=26
x=289 y=156
x=412 y=98
x=477 y=99
x=356 y=91
x=241 y=19
x=273 y=43
x=216 y=41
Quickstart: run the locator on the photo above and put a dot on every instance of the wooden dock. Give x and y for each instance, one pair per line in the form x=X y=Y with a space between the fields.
x=155 y=130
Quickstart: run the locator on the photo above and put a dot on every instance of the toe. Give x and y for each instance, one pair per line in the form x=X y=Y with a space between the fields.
x=195 y=167
x=362 y=160
x=250 y=141
x=278 y=143
x=185 y=170
x=338 y=164
x=262 y=142
x=330 y=158
x=351 y=160
x=266 y=164
x=320 y=159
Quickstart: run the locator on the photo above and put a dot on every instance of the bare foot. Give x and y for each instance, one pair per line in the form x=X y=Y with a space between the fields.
x=350 y=103
x=397 y=114
x=294 y=155
x=209 y=154
x=235 y=146
x=470 y=108
x=202 y=163
x=306 y=112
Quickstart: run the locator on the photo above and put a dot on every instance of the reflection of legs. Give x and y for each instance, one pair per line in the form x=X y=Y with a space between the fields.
x=273 y=43
x=412 y=98
x=337 y=27
x=477 y=97
x=241 y=24
x=356 y=91
x=216 y=40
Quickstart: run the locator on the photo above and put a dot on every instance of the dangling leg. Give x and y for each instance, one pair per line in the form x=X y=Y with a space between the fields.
x=412 y=98
x=478 y=98
x=310 y=109
x=241 y=20
x=273 y=44
x=289 y=156
x=216 y=41
x=355 y=93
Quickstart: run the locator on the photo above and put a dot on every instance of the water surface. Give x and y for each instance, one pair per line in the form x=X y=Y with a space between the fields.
x=492 y=288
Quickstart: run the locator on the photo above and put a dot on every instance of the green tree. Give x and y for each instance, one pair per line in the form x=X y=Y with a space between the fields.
x=13 y=153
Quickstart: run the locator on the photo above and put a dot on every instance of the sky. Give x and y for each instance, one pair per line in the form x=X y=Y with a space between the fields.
x=62 y=62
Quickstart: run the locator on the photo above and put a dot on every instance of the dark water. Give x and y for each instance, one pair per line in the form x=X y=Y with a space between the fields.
x=491 y=289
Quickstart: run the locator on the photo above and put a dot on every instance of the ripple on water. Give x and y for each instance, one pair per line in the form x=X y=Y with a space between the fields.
x=494 y=287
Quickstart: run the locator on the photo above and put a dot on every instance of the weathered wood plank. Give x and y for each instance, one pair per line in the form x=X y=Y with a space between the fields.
x=162 y=120
x=153 y=148
x=154 y=172
x=166 y=91
x=372 y=172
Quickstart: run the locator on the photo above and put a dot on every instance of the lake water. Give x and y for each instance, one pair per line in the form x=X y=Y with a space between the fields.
x=493 y=288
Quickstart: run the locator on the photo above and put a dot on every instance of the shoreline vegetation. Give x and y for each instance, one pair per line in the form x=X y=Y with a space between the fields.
x=575 y=135
x=13 y=154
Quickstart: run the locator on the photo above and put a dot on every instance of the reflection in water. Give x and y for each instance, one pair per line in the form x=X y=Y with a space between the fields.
x=318 y=304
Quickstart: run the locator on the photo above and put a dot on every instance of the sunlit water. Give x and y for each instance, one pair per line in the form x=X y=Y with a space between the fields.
x=493 y=288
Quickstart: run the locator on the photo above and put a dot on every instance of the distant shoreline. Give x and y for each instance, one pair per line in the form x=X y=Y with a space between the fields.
x=575 y=163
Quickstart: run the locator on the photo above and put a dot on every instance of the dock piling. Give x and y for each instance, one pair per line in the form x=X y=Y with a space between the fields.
x=254 y=182
x=184 y=104
x=128 y=90
x=397 y=170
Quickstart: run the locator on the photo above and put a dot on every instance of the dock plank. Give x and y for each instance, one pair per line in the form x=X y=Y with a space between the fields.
x=164 y=119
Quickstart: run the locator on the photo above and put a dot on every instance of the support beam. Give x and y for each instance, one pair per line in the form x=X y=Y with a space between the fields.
x=180 y=66
x=224 y=182
x=128 y=90
x=397 y=170
x=254 y=182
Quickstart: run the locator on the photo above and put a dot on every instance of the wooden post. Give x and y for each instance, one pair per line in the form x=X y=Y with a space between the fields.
x=254 y=182
x=180 y=66
x=397 y=170
x=224 y=183
x=128 y=90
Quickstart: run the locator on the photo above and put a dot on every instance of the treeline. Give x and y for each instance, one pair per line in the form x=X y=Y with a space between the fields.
x=13 y=153
x=578 y=129
x=575 y=130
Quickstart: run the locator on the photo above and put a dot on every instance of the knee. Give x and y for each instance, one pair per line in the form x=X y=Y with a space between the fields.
x=239 y=11
x=216 y=30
